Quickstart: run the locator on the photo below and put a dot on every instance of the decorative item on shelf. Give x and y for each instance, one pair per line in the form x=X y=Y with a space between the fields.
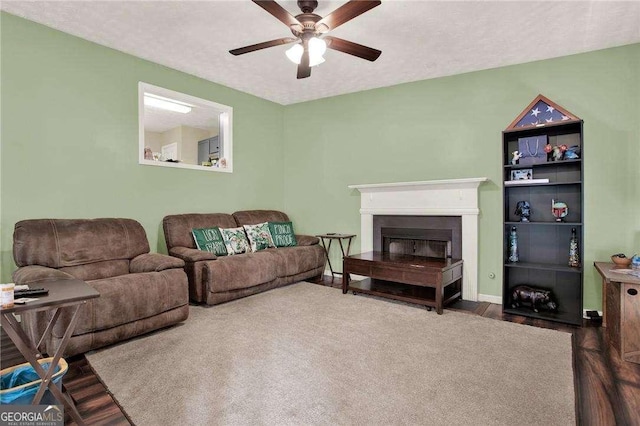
x=532 y=149
x=549 y=150
x=621 y=260
x=635 y=262
x=148 y=155
x=534 y=298
x=523 y=209
x=522 y=174
x=516 y=158
x=572 y=153
x=223 y=163
x=574 y=253
x=513 y=245
x=559 y=210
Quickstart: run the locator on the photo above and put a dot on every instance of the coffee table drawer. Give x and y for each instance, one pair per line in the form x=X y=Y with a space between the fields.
x=452 y=274
x=356 y=267
x=416 y=277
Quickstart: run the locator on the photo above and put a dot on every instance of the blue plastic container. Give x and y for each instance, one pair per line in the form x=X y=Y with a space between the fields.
x=19 y=384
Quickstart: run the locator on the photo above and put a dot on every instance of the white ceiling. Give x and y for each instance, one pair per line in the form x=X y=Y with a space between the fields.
x=419 y=39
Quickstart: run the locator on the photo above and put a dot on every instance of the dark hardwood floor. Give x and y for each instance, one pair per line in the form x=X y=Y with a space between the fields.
x=607 y=388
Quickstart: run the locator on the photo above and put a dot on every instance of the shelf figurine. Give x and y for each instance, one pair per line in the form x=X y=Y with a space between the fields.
x=523 y=209
x=513 y=245
x=516 y=157
x=574 y=256
x=559 y=210
x=549 y=150
x=532 y=297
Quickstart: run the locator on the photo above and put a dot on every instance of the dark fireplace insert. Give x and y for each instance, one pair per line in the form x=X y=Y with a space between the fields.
x=428 y=236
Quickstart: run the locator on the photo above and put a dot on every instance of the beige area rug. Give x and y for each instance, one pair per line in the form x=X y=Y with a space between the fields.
x=307 y=354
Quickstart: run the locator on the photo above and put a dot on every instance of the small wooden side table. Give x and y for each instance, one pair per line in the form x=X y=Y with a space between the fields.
x=621 y=310
x=327 y=247
x=66 y=294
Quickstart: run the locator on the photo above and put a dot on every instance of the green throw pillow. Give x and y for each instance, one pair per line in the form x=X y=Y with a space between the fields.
x=209 y=239
x=235 y=240
x=259 y=236
x=282 y=234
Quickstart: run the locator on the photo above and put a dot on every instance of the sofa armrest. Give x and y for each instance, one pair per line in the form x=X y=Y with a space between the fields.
x=191 y=255
x=154 y=262
x=307 y=240
x=34 y=273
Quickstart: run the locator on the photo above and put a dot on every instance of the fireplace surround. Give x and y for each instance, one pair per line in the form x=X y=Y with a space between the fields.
x=439 y=198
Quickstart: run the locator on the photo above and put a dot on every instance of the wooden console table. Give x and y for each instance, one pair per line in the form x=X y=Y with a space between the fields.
x=416 y=279
x=621 y=310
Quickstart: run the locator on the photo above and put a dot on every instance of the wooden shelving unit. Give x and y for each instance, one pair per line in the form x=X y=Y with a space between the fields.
x=543 y=243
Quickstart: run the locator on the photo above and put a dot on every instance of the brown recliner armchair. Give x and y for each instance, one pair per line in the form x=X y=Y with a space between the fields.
x=139 y=291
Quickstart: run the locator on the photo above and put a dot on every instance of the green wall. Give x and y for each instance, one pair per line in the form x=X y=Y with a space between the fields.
x=70 y=139
x=70 y=130
x=451 y=128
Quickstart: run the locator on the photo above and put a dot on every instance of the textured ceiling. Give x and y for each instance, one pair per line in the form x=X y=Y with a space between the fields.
x=419 y=39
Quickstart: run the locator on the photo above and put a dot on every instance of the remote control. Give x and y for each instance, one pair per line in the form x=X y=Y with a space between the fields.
x=30 y=292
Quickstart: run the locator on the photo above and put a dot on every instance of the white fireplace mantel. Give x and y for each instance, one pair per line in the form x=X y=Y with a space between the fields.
x=450 y=197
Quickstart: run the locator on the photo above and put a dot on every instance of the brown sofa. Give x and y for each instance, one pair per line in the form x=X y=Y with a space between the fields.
x=214 y=280
x=139 y=291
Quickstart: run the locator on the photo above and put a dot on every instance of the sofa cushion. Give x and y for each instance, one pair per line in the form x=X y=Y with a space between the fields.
x=128 y=298
x=177 y=228
x=241 y=271
x=259 y=236
x=58 y=243
x=98 y=270
x=294 y=260
x=235 y=240
x=282 y=233
x=209 y=239
x=252 y=217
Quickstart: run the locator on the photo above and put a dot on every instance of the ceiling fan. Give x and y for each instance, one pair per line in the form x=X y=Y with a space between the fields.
x=307 y=28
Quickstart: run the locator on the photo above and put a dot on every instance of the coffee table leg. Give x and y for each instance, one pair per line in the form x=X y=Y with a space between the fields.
x=345 y=280
x=439 y=298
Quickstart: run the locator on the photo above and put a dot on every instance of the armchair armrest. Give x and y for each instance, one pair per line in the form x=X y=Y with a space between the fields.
x=154 y=262
x=191 y=255
x=34 y=273
x=307 y=240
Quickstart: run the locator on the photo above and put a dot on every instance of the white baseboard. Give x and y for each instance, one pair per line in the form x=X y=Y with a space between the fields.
x=490 y=298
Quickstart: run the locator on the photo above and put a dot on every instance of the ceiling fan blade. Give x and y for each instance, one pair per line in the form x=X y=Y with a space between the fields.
x=259 y=46
x=304 y=70
x=352 y=48
x=347 y=12
x=279 y=12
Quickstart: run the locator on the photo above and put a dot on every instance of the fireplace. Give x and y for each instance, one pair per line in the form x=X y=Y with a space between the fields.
x=418 y=242
x=429 y=236
x=453 y=200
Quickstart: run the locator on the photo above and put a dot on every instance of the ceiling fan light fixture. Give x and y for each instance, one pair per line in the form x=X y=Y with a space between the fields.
x=294 y=53
x=315 y=60
x=317 y=47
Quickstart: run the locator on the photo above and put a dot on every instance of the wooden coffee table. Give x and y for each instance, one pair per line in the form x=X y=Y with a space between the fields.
x=416 y=279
